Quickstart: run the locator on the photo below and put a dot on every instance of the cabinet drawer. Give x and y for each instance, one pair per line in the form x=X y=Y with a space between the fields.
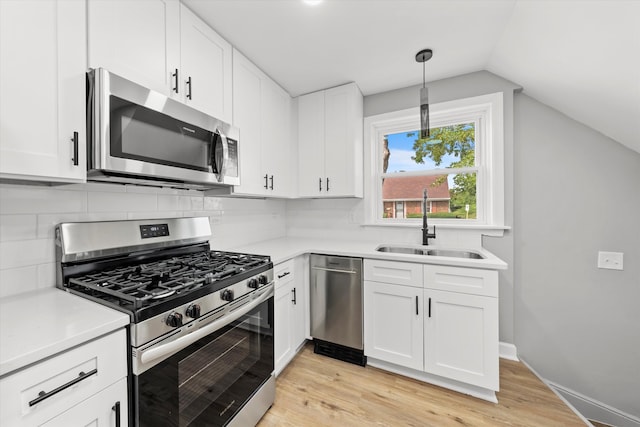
x=29 y=396
x=463 y=280
x=399 y=273
x=98 y=410
x=283 y=273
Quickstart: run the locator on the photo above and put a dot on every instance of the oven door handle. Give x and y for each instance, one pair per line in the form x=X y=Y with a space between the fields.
x=187 y=340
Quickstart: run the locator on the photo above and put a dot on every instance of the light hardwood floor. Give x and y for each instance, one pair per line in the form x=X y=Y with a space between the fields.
x=316 y=390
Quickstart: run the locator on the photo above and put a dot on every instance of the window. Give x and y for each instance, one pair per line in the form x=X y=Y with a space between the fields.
x=460 y=166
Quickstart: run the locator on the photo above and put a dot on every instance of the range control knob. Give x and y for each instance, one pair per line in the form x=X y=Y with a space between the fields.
x=262 y=279
x=193 y=311
x=174 y=320
x=253 y=283
x=227 y=295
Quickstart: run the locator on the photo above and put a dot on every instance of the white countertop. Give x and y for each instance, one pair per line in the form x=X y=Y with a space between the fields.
x=39 y=324
x=289 y=247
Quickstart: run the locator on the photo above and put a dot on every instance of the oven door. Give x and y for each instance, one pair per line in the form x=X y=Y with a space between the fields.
x=209 y=381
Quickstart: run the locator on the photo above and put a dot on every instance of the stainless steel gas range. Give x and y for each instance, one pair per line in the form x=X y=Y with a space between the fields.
x=201 y=331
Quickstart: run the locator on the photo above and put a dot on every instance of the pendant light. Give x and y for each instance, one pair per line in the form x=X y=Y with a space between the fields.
x=423 y=56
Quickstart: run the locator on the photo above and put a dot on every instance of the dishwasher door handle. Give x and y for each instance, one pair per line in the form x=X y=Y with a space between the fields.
x=334 y=270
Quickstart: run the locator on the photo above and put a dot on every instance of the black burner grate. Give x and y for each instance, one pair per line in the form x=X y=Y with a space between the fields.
x=142 y=284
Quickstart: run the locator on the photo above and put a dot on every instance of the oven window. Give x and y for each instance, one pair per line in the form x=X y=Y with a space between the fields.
x=139 y=133
x=209 y=381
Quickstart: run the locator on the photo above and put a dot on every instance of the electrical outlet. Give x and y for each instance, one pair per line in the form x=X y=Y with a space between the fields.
x=610 y=260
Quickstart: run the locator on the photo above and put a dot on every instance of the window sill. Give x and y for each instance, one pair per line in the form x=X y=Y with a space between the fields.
x=440 y=226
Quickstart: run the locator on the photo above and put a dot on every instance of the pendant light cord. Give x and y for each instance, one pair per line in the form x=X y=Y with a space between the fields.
x=423 y=75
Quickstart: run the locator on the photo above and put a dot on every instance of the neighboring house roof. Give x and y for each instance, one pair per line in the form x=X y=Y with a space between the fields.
x=410 y=187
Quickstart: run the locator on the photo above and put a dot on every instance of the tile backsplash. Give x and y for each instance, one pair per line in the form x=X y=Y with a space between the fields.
x=28 y=214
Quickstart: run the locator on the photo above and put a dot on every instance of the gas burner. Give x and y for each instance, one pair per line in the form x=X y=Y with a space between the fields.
x=147 y=283
x=163 y=294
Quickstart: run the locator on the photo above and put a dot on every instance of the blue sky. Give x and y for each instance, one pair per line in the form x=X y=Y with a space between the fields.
x=401 y=148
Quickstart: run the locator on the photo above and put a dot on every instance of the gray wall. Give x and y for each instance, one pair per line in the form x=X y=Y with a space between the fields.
x=576 y=192
x=468 y=85
x=569 y=192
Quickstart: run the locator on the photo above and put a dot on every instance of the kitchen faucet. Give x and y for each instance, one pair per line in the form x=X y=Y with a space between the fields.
x=425 y=227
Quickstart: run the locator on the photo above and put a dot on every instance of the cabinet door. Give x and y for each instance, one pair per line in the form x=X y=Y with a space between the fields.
x=298 y=311
x=275 y=138
x=42 y=90
x=311 y=176
x=138 y=40
x=206 y=64
x=283 y=346
x=461 y=337
x=338 y=161
x=393 y=329
x=343 y=141
x=101 y=409
x=247 y=116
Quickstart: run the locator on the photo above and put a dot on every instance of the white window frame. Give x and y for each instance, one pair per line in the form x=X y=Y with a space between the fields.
x=486 y=111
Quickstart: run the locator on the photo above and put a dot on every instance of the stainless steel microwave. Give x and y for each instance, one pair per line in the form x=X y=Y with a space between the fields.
x=138 y=136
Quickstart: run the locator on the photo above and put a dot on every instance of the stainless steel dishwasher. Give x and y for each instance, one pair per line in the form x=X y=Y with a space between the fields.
x=336 y=299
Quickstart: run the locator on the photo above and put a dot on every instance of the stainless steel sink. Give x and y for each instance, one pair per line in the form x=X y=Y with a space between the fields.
x=429 y=252
x=454 y=254
x=400 y=250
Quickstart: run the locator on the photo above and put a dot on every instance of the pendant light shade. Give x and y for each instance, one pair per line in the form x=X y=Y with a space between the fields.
x=423 y=56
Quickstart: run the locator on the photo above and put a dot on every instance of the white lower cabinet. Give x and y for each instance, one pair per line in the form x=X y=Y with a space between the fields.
x=289 y=313
x=451 y=334
x=81 y=386
x=461 y=337
x=393 y=329
x=106 y=408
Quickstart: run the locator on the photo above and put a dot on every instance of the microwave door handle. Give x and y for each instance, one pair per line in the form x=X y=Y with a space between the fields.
x=225 y=154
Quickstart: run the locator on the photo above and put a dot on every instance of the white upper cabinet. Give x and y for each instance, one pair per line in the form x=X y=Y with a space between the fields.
x=261 y=110
x=205 y=58
x=162 y=45
x=42 y=90
x=330 y=143
x=143 y=47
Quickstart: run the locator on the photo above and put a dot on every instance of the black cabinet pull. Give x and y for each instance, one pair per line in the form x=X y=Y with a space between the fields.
x=271 y=181
x=327 y=184
x=75 y=148
x=45 y=395
x=294 y=296
x=266 y=182
x=189 y=89
x=116 y=408
x=320 y=184
x=429 y=307
x=175 y=76
x=286 y=273
x=416 y=305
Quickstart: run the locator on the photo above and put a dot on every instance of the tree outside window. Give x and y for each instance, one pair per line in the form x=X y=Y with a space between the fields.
x=444 y=164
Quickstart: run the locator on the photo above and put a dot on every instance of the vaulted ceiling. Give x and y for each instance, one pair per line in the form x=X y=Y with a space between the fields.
x=581 y=57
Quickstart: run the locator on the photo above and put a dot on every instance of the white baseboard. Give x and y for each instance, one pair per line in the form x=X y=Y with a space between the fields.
x=594 y=409
x=586 y=407
x=508 y=351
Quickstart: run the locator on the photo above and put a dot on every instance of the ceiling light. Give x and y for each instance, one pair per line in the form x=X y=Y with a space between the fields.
x=423 y=56
x=312 y=2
